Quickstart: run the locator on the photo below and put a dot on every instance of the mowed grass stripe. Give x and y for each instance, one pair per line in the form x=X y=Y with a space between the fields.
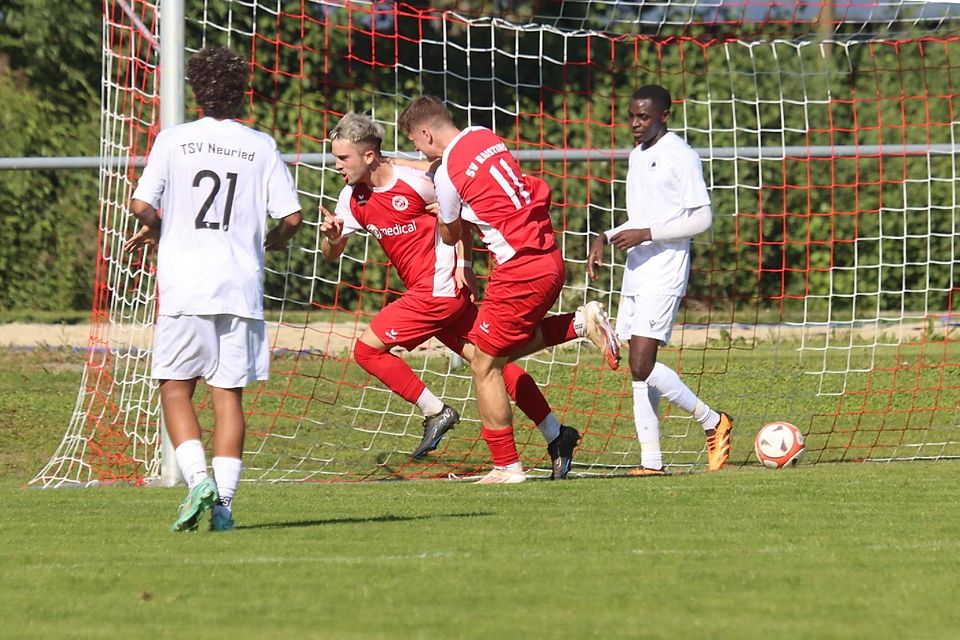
x=852 y=550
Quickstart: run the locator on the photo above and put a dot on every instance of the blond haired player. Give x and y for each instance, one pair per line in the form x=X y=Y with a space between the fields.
x=215 y=181
x=392 y=203
x=667 y=204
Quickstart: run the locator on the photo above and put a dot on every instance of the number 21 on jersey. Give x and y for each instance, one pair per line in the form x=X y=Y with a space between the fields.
x=210 y=180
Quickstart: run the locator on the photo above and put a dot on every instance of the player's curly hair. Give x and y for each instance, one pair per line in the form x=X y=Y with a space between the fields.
x=219 y=78
x=656 y=94
x=424 y=110
x=360 y=130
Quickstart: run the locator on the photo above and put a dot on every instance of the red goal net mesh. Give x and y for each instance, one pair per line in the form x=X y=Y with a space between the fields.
x=824 y=294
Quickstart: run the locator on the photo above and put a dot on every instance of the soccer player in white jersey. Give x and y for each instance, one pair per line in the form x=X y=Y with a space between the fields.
x=213 y=181
x=392 y=203
x=667 y=204
x=479 y=184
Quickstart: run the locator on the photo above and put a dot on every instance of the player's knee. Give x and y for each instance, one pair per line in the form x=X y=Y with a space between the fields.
x=640 y=367
x=481 y=365
x=365 y=355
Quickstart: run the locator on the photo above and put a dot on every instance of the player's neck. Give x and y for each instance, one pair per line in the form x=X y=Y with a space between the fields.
x=654 y=140
x=381 y=175
x=446 y=135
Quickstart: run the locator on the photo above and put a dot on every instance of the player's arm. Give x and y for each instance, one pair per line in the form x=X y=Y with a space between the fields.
x=149 y=232
x=695 y=222
x=332 y=241
x=464 y=274
x=448 y=219
x=285 y=229
x=450 y=232
x=595 y=255
x=427 y=166
x=283 y=203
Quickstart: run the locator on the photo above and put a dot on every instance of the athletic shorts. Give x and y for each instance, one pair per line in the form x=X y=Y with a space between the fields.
x=519 y=294
x=415 y=318
x=647 y=316
x=225 y=350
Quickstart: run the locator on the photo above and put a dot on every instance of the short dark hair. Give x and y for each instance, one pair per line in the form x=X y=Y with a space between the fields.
x=219 y=78
x=656 y=94
x=425 y=109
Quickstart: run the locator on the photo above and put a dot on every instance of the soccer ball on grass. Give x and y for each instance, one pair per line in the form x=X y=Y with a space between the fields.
x=779 y=444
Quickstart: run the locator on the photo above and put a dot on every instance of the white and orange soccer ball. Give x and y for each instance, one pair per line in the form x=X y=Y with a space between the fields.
x=779 y=444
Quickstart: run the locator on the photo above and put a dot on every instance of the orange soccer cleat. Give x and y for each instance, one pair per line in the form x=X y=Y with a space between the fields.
x=718 y=445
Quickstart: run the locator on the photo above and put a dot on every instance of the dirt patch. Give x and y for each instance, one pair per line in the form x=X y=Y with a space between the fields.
x=337 y=339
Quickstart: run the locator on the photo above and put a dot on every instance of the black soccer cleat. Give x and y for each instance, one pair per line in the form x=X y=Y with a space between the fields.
x=433 y=429
x=561 y=451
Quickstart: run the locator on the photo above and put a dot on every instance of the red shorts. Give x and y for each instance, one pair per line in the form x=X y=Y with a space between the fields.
x=415 y=318
x=519 y=294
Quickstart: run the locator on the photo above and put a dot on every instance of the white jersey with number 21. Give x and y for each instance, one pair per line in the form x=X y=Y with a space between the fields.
x=214 y=181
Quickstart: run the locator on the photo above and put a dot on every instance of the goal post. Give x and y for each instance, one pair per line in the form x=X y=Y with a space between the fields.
x=824 y=295
x=172 y=23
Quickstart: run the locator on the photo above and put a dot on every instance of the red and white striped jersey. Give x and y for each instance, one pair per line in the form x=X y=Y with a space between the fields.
x=397 y=217
x=511 y=210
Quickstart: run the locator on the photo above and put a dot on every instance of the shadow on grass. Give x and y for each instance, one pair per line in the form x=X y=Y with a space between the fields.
x=333 y=521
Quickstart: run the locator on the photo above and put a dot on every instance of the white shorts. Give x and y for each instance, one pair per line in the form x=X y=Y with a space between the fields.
x=647 y=316
x=225 y=350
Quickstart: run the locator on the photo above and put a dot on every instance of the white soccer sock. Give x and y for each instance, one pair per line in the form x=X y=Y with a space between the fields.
x=579 y=324
x=429 y=403
x=647 y=422
x=226 y=471
x=192 y=462
x=707 y=417
x=550 y=428
x=668 y=383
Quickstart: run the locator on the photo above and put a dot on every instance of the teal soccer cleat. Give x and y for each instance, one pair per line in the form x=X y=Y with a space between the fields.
x=200 y=499
x=220 y=520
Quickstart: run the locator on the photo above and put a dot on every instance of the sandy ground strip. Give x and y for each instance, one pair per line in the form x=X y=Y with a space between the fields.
x=338 y=338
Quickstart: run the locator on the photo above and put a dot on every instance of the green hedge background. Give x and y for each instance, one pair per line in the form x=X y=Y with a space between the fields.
x=781 y=227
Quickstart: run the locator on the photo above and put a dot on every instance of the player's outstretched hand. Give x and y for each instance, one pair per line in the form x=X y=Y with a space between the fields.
x=595 y=255
x=330 y=225
x=145 y=237
x=465 y=278
x=629 y=238
x=433 y=208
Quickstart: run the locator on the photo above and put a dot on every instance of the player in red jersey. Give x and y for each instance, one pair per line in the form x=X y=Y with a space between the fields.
x=479 y=182
x=391 y=202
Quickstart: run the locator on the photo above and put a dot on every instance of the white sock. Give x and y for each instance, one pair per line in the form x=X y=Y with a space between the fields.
x=226 y=471
x=707 y=417
x=579 y=324
x=516 y=467
x=192 y=462
x=647 y=422
x=429 y=403
x=550 y=428
x=668 y=383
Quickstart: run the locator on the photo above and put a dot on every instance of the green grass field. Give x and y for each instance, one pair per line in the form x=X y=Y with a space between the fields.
x=821 y=551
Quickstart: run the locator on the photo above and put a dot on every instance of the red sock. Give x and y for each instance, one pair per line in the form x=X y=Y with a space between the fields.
x=502 y=446
x=558 y=329
x=390 y=370
x=525 y=393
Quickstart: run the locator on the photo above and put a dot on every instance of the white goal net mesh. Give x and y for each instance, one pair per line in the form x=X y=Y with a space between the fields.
x=824 y=295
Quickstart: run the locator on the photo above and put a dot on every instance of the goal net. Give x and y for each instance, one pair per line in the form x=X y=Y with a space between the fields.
x=824 y=295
